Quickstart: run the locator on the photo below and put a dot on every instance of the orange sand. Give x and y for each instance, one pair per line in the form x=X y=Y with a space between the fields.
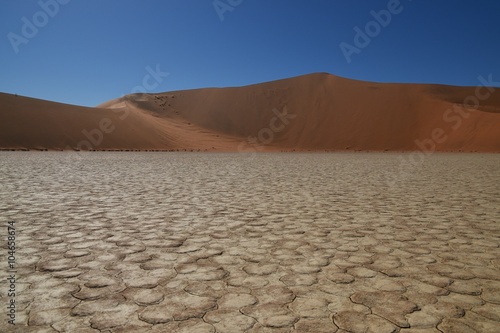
x=325 y=113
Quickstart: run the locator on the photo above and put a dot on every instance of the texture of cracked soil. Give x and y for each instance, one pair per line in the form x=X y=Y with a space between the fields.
x=172 y=242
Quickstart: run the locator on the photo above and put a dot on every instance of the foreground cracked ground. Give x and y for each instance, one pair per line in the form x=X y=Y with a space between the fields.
x=137 y=242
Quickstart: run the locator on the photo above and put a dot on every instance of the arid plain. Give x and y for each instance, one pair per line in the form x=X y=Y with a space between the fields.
x=227 y=242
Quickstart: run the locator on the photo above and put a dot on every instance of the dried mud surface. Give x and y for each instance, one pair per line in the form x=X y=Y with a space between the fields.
x=151 y=242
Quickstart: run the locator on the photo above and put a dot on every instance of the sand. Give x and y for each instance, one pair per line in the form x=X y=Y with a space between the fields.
x=312 y=112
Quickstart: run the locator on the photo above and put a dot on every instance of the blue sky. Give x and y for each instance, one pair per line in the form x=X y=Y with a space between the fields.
x=86 y=52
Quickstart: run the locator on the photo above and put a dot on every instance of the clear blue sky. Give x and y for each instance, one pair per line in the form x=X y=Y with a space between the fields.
x=91 y=51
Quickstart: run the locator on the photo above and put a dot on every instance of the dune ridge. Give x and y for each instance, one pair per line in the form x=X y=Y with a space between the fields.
x=314 y=112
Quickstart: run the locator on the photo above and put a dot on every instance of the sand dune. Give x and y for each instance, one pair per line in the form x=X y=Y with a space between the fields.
x=27 y=123
x=311 y=112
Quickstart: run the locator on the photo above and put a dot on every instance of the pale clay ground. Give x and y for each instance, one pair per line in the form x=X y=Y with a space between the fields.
x=171 y=242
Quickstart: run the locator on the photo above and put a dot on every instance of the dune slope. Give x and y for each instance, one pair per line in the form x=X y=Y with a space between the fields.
x=311 y=112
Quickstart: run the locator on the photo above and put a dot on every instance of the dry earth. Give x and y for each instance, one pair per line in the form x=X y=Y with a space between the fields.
x=149 y=242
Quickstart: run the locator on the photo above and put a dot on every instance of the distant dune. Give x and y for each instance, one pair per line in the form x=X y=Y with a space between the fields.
x=314 y=112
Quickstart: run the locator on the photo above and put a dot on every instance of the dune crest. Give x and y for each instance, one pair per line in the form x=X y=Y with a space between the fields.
x=311 y=112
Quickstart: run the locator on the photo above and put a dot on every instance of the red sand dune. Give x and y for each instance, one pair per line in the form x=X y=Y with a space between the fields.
x=311 y=112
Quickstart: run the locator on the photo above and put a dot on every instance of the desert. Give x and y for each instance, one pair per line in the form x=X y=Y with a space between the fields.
x=234 y=166
x=316 y=112
x=309 y=204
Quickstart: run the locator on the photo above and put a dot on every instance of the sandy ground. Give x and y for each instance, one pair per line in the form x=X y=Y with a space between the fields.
x=147 y=242
x=313 y=112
